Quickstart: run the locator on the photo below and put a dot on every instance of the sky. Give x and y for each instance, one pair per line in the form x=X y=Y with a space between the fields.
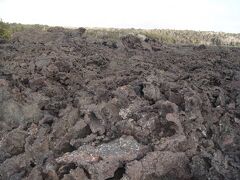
x=205 y=15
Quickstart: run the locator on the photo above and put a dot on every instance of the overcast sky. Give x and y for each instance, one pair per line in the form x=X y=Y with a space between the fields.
x=209 y=15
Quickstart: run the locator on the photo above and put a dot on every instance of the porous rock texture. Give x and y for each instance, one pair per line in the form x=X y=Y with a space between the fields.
x=75 y=107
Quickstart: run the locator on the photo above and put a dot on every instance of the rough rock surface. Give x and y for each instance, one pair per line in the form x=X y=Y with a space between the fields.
x=159 y=165
x=76 y=107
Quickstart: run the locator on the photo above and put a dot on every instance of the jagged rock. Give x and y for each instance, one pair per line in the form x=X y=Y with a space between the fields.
x=14 y=167
x=132 y=42
x=102 y=161
x=12 y=113
x=13 y=142
x=160 y=164
x=73 y=106
x=35 y=174
x=199 y=167
x=152 y=92
x=77 y=173
x=96 y=124
x=122 y=149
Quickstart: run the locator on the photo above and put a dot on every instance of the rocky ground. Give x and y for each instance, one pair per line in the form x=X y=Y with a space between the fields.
x=75 y=107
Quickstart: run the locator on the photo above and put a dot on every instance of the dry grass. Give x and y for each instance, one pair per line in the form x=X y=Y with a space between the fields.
x=171 y=36
x=163 y=35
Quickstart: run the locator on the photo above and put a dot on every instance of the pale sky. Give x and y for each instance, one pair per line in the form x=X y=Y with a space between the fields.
x=207 y=15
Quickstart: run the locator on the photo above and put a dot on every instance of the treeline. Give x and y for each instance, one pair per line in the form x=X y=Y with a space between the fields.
x=4 y=30
x=162 y=35
x=7 y=29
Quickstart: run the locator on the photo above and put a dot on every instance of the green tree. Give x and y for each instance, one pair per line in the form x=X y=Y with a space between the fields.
x=4 y=30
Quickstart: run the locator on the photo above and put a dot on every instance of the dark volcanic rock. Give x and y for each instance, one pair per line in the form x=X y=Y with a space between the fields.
x=76 y=107
x=132 y=42
x=161 y=165
x=102 y=161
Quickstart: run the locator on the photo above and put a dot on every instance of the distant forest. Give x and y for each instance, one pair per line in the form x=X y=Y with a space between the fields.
x=163 y=35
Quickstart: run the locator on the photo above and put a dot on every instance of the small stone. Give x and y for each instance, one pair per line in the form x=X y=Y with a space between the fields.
x=79 y=157
x=3 y=82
